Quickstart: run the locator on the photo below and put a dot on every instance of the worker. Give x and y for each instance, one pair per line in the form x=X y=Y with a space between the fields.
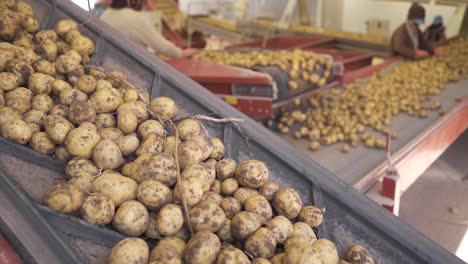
x=124 y=16
x=408 y=40
x=436 y=32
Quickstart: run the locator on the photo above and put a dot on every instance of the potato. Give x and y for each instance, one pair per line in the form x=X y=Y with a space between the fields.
x=287 y=202
x=242 y=194
x=154 y=194
x=27 y=55
x=116 y=78
x=259 y=205
x=2 y=99
x=17 y=131
x=170 y=219
x=83 y=181
x=98 y=209
x=212 y=197
x=189 y=153
x=45 y=34
x=202 y=248
x=61 y=153
x=5 y=56
x=20 y=68
x=202 y=172
x=301 y=254
x=77 y=165
x=42 y=102
x=81 y=142
x=152 y=230
x=131 y=218
x=10 y=24
x=229 y=186
x=163 y=107
x=230 y=206
x=207 y=216
x=160 y=167
x=62 y=47
x=281 y=227
x=58 y=86
x=30 y=24
x=41 y=143
x=64 y=26
x=127 y=122
x=19 y=93
x=66 y=64
x=216 y=187
x=218 y=149
x=311 y=215
x=304 y=232
x=252 y=173
x=232 y=255
x=188 y=128
x=63 y=198
x=225 y=168
x=167 y=254
x=128 y=144
x=131 y=95
x=20 y=105
x=34 y=128
x=25 y=40
x=107 y=155
x=75 y=75
x=81 y=111
x=105 y=121
x=358 y=254
x=326 y=250
x=86 y=84
x=24 y=8
x=45 y=67
x=278 y=259
x=48 y=50
x=60 y=110
x=110 y=133
x=75 y=56
x=244 y=224
x=137 y=107
x=129 y=250
x=70 y=96
x=268 y=190
x=169 y=146
x=100 y=84
x=83 y=45
x=148 y=127
x=190 y=190
x=153 y=144
x=225 y=232
x=261 y=244
x=106 y=100
x=118 y=187
x=8 y=81
x=261 y=261
x=175 y=242
x=71 y=34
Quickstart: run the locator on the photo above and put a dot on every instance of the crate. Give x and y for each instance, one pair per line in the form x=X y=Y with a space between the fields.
x=350 y=217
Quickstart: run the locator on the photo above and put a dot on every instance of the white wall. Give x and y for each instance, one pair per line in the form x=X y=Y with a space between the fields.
x=356 y=12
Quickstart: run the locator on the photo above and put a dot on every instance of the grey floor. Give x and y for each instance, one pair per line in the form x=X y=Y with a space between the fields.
x=437 y=203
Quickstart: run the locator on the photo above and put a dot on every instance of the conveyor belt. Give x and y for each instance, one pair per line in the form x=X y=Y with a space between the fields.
x=352 y=166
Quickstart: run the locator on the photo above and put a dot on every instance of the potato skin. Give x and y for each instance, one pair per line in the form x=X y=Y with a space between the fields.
x=77 y=165
x=129 y=250
x=98 y=209
x=202 y=172
x=232 y=255
x=17 y=131
x=326 y=251
x=191 y=189
x=110 y=133
x=40 y=83
x=116 y=186
x=311 y=215
x=41 y=143
x=137 y=107
x=8 y=81
x=242 y=194
x=170 y=220
x=57 y=128
x=45 y=67
x=252 y=173
x=152 y=144
x=105 y=121
x=278 y=259
x=207 y=216
x=261 y=244
x=106 y=100
x=262 y=261
x=358 y=254
x=212 y=197
x=244 y=224
x=127 y=122
x=230 y=206
x=152 y=231
x=281 y=227
x=164 y=107
x=63 y=198
x=268 y=190
x=81 y=111
x=218 y=149
x=7 y=114
x=154 y=194
x=131 y=218
x=83 y=181
x=148 y=127
x=287 y=202
x=202 y=248
x=160 y=167
x=165 y=253
x=81 y=141
x=107 y=155
x=229 y=186
x=64 y=26
x=188 y=128
x=190 y=153
x=259 y=205
x=128 y=144
x=301 y=254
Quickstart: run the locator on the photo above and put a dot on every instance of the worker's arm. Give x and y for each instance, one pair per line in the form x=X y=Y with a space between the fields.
x=156 y=41
x=424 y=43
x=398 y=46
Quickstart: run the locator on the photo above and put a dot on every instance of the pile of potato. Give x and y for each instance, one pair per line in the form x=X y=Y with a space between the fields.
x=302 y=66
x=130 y=168
x=349 y=115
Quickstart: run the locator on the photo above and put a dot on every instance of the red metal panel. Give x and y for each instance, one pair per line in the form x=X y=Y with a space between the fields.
x=352 y=60
x=365 y=72
x=7 y=253
x=255 y=107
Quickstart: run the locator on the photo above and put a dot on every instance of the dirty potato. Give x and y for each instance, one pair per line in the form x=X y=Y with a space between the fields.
x=41 y=143
x=128 y=144
x=326 y=251
x=259 y=205
x=131 y=218
x=107 y=155
x=127 y=122
x=358 y=254
x=232 y=255
x=281 y=227
x=81 y=141
x=106 y=100
x=63 y=198
x=188 y=128
x=244 y=224
x=77 y=165
x=268 y=190
x=17 y=131
x=98 y=209
x=311 y=215
x=230 y=206
x=170 y=219
x=163 y=107
x=190 y=190
x=57 y=128
x=119 y=188
x=129 y=250
x=207 y=216
x=261 y=244
x=149 y=127
x=83 y=181
x=252 y=173
x=202 y=248
x=81 y=111
x=287 y=202
x=105 y=121
x=154 y=194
